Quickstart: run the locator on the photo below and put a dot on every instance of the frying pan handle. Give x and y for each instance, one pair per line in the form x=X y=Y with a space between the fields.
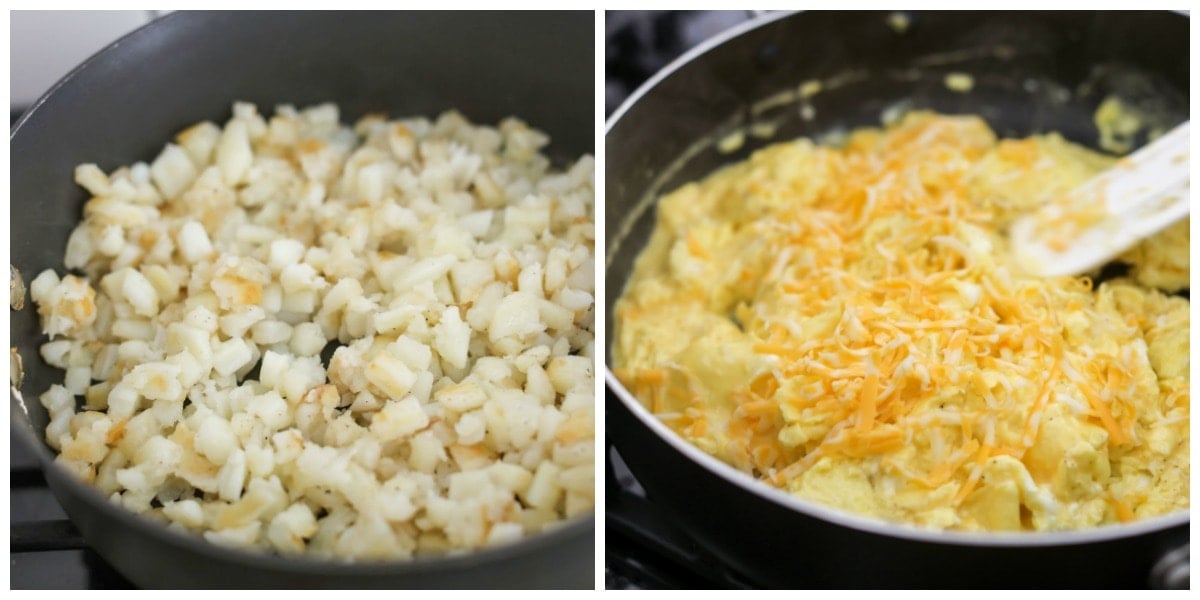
x=1172 y=571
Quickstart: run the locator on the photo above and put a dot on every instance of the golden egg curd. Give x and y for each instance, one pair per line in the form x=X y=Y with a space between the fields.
x=846 y=323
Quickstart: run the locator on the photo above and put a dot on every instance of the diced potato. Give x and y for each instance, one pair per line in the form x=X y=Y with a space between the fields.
x=442 y=258
x=172 y=171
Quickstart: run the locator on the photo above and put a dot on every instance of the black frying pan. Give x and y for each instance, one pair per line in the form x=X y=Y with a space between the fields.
x=1033 y=72
x=123 y=104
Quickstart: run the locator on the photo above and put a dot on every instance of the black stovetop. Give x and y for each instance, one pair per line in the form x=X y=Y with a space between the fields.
x=638 y=43
x=644 y=549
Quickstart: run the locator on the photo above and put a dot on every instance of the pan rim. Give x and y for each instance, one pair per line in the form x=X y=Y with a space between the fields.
x=810 y=508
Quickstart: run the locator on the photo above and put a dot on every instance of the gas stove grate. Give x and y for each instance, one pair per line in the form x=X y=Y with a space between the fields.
x=45 y=549
x=644 y=550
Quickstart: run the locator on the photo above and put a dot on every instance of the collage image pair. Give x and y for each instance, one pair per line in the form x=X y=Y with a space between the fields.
x=599 y=300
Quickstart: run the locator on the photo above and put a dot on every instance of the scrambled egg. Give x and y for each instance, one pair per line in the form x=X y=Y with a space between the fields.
x=845 y=323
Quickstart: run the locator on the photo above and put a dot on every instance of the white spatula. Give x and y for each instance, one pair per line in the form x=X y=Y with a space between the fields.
x=1110 y=213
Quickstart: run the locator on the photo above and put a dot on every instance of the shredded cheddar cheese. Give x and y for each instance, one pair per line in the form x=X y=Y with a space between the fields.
x=844 y=323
